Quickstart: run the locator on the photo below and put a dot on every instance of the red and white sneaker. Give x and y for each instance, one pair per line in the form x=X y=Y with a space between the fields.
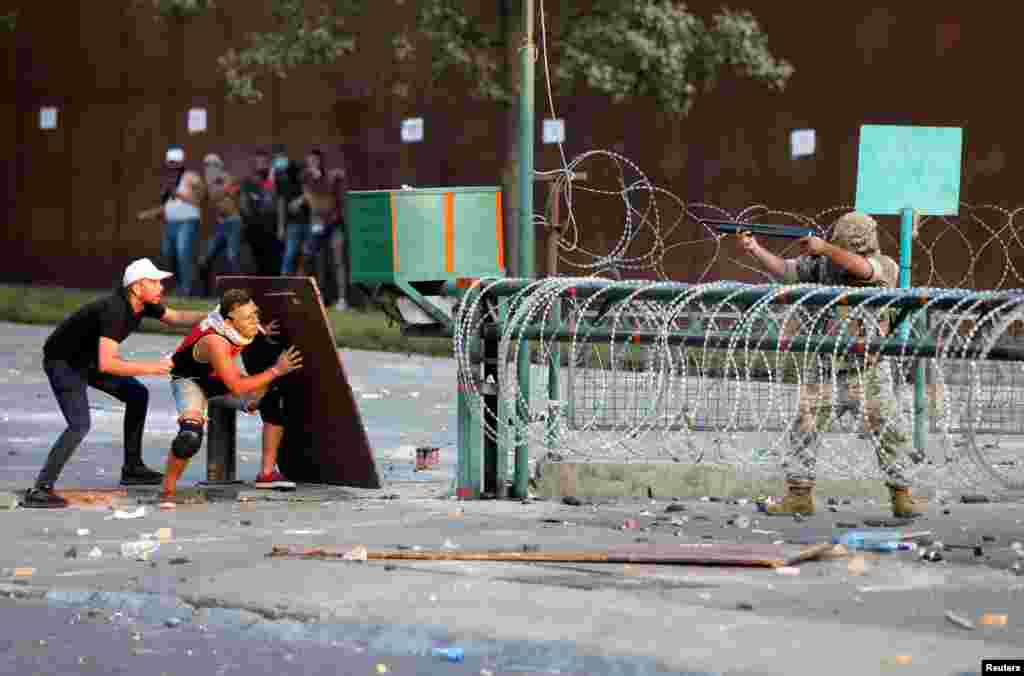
x=274 y=480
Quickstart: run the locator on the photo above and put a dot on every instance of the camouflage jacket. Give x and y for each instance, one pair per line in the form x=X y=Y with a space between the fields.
x=821 y=270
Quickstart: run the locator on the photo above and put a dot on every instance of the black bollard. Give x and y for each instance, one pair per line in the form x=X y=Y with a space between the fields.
x=221 y=445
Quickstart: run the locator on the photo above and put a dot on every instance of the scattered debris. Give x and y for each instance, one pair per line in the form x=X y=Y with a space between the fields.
x=959 y=621
x=764 y=532
x=697 y=553
x=139 y=550
x=71 y=552
x=245 y=522
x=571 y=501
x=179 y=561
x=172 y=622
x=887 y=523
x=857 y=566
x=743 y=605
x=95 y=553
x=138 y=513
x=846 y=524
x=449 y=654
x=82 y=532
x=989 y=538
x=975 y=499
x=994 y=619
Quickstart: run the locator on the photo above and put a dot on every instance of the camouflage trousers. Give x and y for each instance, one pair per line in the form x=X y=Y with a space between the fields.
x=868 y=395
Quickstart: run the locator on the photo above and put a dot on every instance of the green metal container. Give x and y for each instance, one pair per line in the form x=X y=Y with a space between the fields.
x=425 y=234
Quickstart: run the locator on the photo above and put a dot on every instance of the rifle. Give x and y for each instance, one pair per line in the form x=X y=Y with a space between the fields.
x=787 y=231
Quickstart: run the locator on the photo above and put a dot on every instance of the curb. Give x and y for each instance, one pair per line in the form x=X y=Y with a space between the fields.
x=676 y=480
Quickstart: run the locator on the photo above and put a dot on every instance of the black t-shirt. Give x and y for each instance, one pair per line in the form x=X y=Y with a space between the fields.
x=76 y=340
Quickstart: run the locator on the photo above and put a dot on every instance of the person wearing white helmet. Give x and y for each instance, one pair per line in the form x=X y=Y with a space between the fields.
x=83 y=352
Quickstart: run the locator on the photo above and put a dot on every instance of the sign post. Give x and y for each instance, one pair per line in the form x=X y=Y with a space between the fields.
x=910 y=171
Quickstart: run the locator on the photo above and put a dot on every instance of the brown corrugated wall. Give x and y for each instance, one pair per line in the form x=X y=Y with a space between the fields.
x=123 y=84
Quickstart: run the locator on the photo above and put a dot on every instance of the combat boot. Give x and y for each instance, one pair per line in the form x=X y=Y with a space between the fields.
x=904 y=505
x=799 y=499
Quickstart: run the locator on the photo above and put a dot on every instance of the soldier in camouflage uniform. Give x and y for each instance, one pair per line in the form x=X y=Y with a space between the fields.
x=850 y=258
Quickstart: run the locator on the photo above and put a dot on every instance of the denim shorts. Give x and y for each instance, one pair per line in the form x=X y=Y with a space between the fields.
x=190 y=396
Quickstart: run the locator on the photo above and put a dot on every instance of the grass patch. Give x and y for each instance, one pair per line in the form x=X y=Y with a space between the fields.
x=353 y=329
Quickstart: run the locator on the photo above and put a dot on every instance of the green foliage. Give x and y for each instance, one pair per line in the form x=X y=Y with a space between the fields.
x=302 y=36
x=460 y=43
x=180 y=9
x=8 y=22
x=657 y=48
x=654 y=48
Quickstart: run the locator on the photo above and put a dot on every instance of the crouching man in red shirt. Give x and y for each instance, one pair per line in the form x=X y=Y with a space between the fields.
x=205 y=367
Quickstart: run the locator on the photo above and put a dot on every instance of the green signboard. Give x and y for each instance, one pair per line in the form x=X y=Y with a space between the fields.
x=909 y=168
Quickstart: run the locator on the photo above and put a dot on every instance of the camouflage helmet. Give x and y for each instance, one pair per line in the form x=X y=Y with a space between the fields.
x=856 y=232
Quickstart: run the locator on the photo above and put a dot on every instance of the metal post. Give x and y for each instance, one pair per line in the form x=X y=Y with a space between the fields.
x=495 y=471
x=527 y=239
x=555 y=363
x=908 y=224
x=470 y=435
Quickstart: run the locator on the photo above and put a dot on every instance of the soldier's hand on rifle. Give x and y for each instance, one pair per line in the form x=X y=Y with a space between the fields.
x=812 y=246
x=747 y=241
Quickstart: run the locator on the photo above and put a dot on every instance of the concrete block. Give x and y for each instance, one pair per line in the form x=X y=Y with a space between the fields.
x=668 y=480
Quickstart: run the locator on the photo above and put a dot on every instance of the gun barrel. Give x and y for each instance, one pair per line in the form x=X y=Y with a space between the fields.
x=787 y=231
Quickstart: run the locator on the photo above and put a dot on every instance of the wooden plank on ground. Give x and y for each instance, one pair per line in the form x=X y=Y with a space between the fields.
x=325 y=441
x=710 y=554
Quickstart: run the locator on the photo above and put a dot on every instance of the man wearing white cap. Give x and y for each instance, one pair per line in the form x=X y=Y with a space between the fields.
x=83 y=352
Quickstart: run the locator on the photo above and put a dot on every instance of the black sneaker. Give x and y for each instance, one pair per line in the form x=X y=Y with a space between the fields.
x=43 y=497
x=140 y=475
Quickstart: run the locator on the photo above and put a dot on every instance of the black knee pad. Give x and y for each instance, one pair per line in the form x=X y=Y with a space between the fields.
x=189 y=439
x=272 y=407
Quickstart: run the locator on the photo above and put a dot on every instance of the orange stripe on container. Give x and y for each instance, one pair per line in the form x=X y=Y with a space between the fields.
x=449 y=232
x=501 y=235
x=394 y=232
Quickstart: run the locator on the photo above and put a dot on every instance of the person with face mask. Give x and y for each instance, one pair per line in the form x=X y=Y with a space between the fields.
x=205 y=368
x=323 y=190
x=259 y=215
x=851 y=257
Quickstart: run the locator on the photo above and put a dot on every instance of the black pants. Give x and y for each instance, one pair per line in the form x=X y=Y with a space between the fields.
x=267 y=250
x=69 y=385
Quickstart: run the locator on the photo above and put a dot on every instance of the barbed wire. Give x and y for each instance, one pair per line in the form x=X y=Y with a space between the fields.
x=659 y=371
